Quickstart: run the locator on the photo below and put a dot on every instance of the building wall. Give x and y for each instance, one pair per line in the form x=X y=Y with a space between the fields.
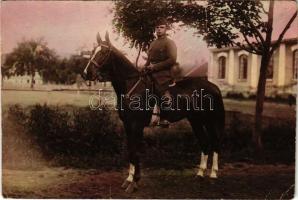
x=290 y=81
x=289 y=63
x=281 y=83
x=23 y=81
x=242 y=84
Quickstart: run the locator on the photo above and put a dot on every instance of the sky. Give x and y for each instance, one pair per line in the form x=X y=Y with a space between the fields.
x=68 y=26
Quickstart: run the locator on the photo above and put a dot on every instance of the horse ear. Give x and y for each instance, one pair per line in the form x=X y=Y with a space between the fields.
x=99 y=41
x=107 y=38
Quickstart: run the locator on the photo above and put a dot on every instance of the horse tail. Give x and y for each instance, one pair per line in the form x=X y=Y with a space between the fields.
x=221 y=113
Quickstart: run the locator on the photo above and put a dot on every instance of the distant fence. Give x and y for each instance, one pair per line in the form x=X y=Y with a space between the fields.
x=56 y=87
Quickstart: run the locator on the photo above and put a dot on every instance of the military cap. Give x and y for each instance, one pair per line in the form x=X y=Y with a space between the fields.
x=161 y=21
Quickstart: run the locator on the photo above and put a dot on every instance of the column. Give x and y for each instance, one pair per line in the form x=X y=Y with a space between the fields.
x=231 y=67
x=254 y=71
x=211 y=67
x=281 y=69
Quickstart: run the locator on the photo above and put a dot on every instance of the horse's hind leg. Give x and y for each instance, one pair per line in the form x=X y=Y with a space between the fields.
x=214 y=168
x=214 y=133
x=200 y=133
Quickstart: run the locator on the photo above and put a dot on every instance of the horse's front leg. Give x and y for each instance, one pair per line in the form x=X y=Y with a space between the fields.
x=214 y=168
x=203 y=165
x=134 y=173
x=134 y=141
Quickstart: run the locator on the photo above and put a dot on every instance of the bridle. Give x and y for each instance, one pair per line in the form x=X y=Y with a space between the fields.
x=104 y=60
x=98 y=66
x=107 y=57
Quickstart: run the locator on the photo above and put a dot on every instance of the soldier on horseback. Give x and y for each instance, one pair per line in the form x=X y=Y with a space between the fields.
x=108 y=63
x=162 y=55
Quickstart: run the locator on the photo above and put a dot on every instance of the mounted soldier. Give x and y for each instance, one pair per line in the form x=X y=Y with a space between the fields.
x=207 y=120
x=162 y=55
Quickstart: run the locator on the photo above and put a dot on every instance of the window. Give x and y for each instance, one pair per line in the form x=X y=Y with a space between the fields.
x=269 y=73
x=243 y=63
x=222 y=67
x=295 y=64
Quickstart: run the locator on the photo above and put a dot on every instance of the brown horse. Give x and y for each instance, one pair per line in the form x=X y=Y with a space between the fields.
x=196 y=99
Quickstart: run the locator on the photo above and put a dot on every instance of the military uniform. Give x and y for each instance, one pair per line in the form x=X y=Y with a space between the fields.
x=162 y=54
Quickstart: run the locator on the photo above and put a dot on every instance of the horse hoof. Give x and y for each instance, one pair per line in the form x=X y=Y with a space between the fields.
x=125 y=184
x=131 y=187
x=213 y=175
x=200 y=173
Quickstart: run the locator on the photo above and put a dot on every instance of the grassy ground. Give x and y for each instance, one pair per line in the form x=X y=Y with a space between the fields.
x=25 y=98
x=35 y=177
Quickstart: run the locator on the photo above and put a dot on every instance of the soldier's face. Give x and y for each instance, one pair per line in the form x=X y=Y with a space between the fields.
x=160 y=30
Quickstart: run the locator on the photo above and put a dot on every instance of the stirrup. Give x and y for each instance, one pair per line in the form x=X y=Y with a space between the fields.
x=164 y=123
x=172 y=85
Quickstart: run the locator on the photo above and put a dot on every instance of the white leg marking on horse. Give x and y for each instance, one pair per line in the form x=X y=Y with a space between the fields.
x=131 y=172
x=155 y=118
x=203 y=165
x=214 y=168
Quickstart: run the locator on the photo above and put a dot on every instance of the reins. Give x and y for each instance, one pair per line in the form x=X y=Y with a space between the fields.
x=141 y=78
x=127 y=95
x=140 y=75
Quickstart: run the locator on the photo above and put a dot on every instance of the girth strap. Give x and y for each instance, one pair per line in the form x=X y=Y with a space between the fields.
x=133 y=87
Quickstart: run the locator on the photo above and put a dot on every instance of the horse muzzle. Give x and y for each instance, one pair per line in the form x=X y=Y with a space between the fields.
x=84 y=76
x=88 y=76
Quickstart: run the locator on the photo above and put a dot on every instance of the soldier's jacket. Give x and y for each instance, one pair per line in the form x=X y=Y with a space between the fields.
x=162 y=54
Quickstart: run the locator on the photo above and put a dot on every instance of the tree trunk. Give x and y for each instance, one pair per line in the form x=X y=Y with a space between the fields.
x=32 y=81
x=32 y=75
x=137 y=60
x=257 y=132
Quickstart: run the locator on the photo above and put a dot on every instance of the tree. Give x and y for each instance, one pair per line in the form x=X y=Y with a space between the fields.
x=136 y=19
x=71 y=67
x=50 y=74
x=64 y=70
x=247 y=25
x=5 y=70
x=29 y=57
x=222 y=23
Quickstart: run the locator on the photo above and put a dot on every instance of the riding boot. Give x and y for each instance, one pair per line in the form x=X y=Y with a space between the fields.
x=163 y=122
x=155 y=116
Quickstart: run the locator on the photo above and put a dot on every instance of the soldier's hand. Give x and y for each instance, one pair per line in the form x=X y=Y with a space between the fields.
x=144 y=70
x=150 y=67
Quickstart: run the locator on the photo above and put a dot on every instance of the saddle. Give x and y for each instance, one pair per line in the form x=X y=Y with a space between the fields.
x=147 y=81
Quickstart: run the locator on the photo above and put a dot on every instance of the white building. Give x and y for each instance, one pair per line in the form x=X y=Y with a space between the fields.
x=24 y=81
x=236 y=70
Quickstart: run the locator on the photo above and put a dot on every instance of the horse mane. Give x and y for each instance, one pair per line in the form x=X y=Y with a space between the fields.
x=124 y=60
x=125 y=68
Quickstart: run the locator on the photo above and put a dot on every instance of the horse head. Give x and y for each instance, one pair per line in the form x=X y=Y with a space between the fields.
x=100 y=63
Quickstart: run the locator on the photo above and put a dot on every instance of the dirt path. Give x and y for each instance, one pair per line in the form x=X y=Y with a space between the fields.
x=238 y=180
